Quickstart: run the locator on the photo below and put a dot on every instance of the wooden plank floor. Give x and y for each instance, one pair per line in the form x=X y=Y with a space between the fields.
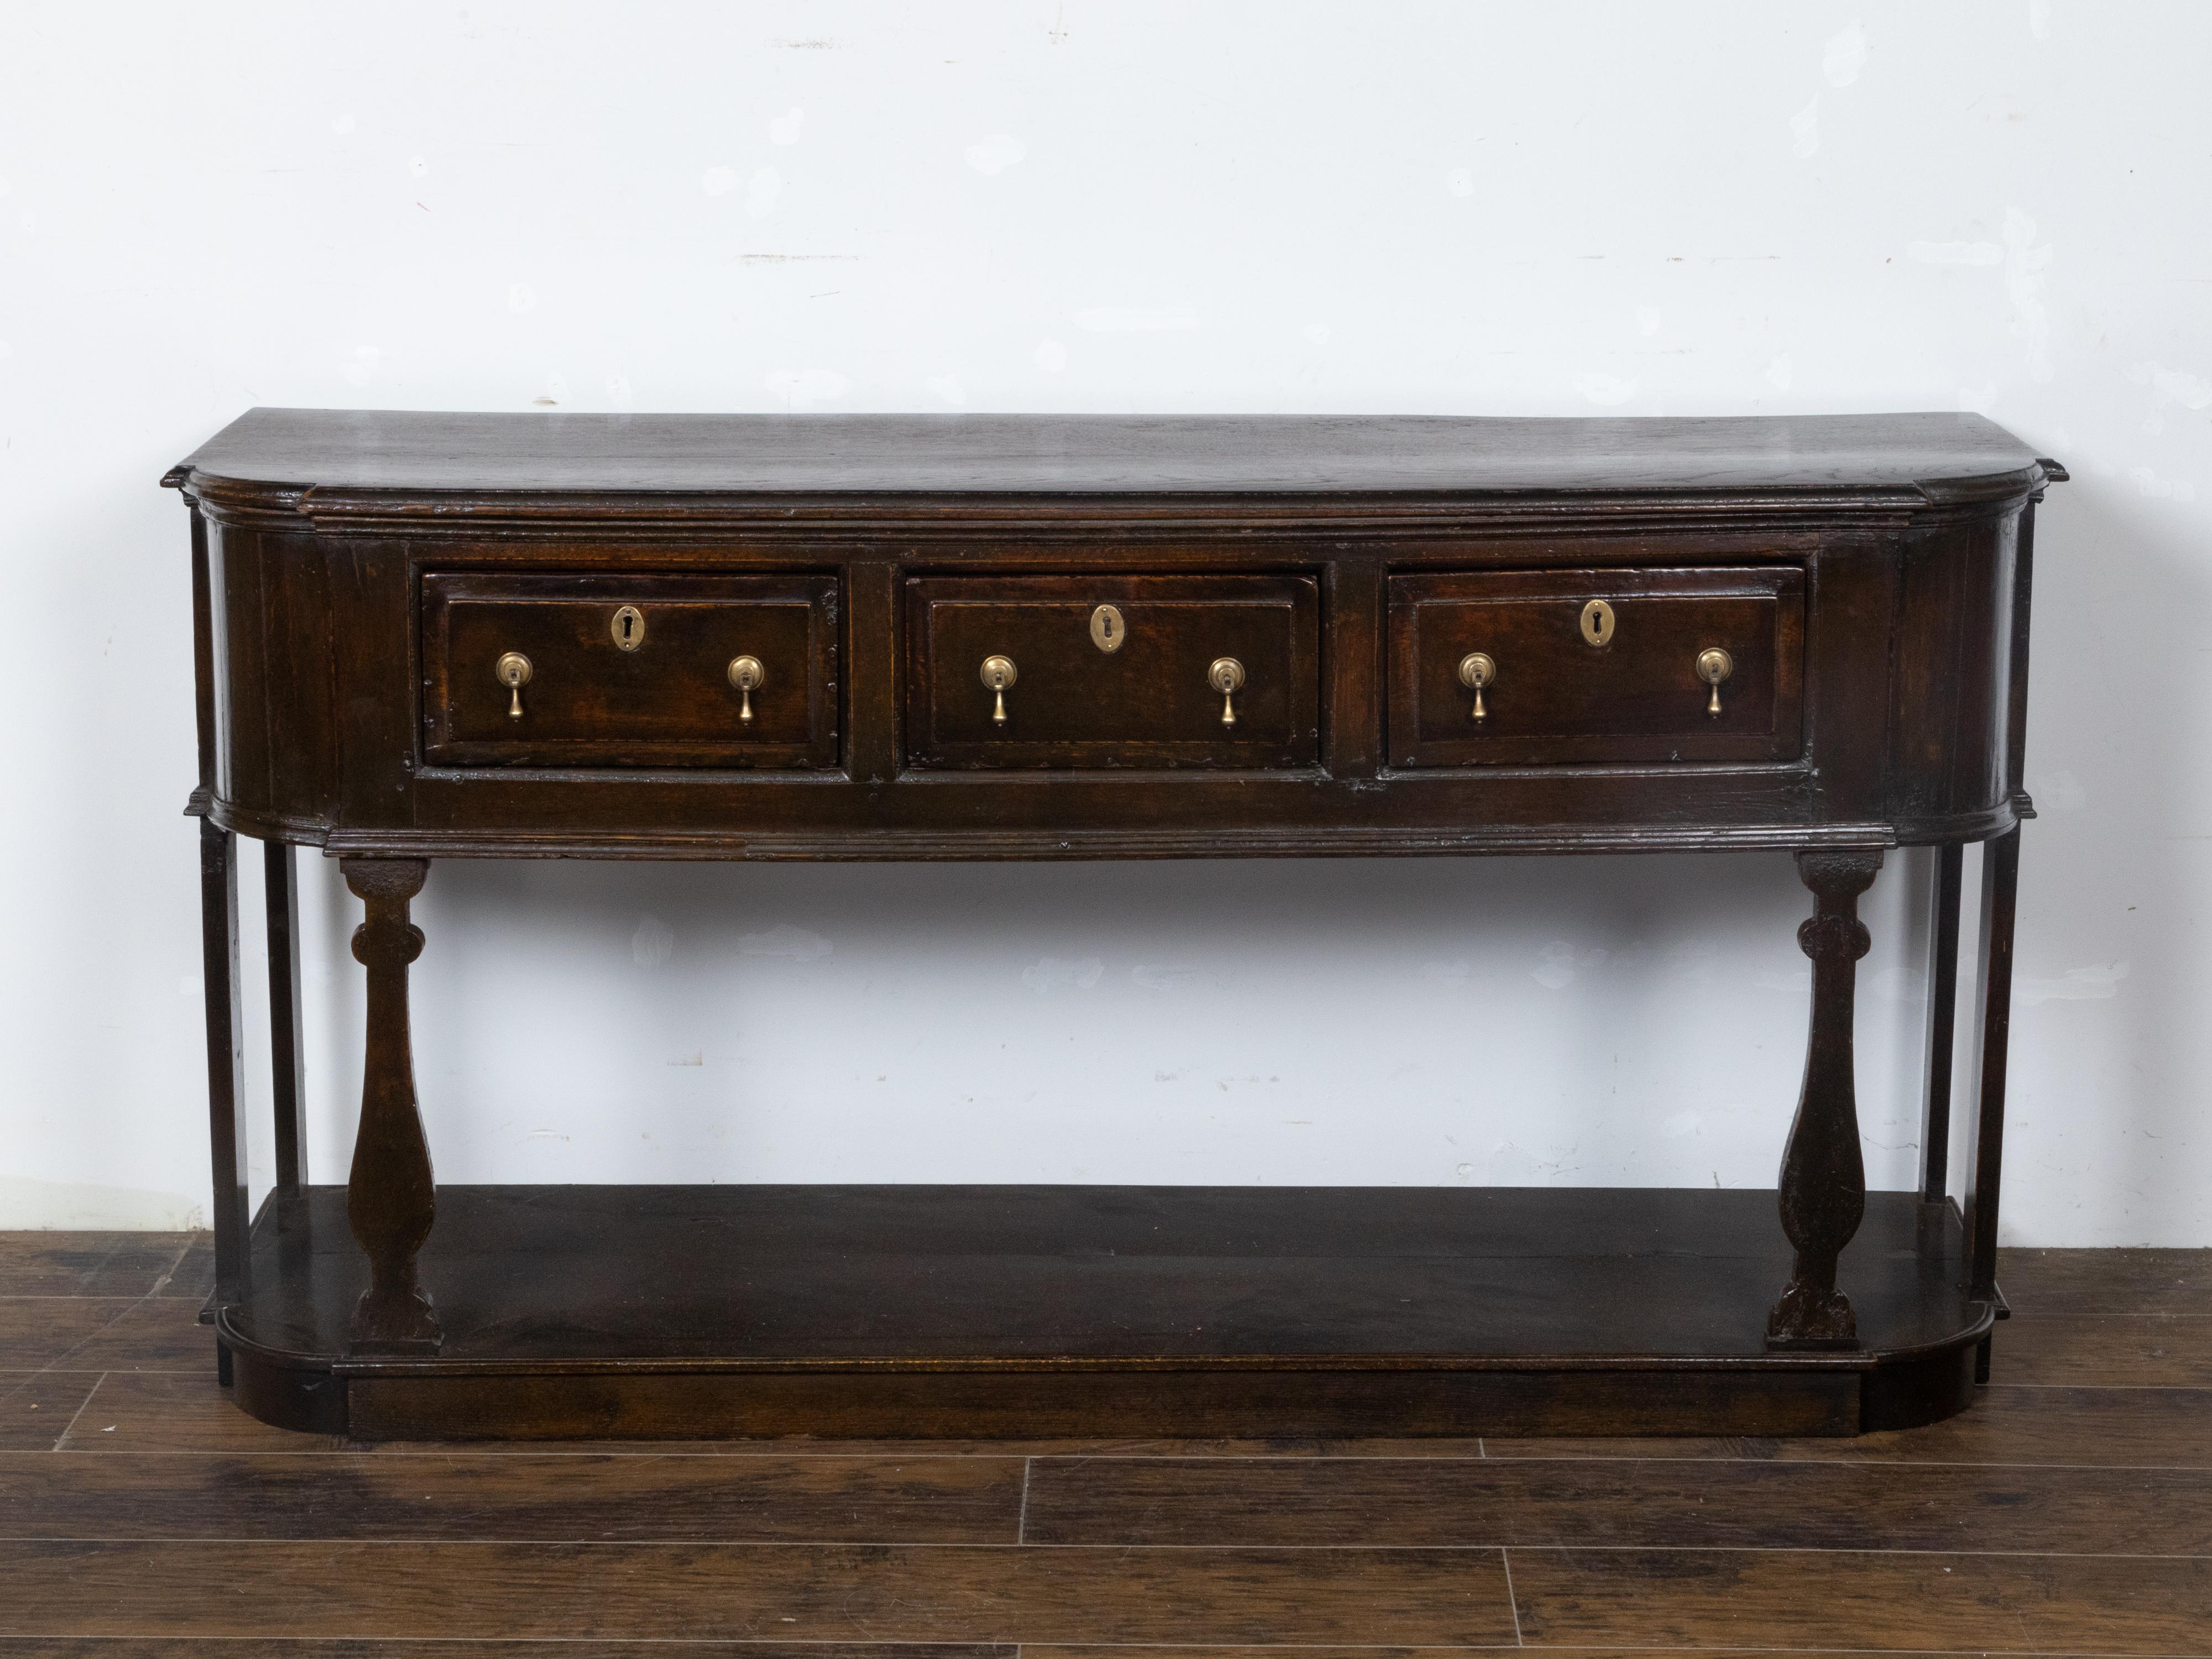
x=2069 y=1513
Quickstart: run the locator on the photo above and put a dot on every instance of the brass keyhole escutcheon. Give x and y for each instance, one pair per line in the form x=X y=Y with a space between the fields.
x=1714 y=665
x=746 y=674
x=628 y=627
x=513 y=671
x=998 y=675
x=1226 y=676
x=1597 y=623
x=1476 y=669
x=1108 y=630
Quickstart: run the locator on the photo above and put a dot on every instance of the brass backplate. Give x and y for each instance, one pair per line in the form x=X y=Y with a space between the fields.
x=628 y=627
x=1597 y=623
x=1108 y=630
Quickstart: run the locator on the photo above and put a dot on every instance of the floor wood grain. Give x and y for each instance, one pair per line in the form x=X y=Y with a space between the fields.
x=1794 y=1599
x=178 y=1412
x=100 y=1334
x=1622 y=1504
x=1035 y=1650
x=943 y=1500
x=103 y=1647
x=37 y=1407
x=2119 y=1428
x=144 y=1516
x=2070 y=1350
x=187 y=1648
x=824 y=1592
x=2130 y=1283
x=93 y=1264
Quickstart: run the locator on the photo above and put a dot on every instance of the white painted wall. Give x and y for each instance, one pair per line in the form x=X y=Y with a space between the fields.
x=1712 y=207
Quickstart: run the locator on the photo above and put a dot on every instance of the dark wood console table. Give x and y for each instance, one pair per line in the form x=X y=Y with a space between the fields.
x=424 y=636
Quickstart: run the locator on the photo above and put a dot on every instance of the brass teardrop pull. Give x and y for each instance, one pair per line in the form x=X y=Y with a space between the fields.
x=746 y=674
x=1226 y=676
x=1714 y=665
x=513 y=671
x=1476 y=669
x=998 y=675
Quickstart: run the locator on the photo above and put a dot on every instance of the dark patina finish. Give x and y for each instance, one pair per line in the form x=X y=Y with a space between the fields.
x=424 y=636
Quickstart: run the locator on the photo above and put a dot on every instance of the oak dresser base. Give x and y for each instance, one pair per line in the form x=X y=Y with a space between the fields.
x=421 y=637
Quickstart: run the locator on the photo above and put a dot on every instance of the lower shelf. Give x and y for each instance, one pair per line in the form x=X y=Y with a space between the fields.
x=1049 y=1312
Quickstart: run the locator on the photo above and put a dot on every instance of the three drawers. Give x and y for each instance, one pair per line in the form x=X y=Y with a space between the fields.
x=589 y=670
x=1077 y=672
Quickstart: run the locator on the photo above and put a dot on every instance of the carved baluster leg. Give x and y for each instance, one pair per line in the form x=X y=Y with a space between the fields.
x=390 y=1199
x=225 y=1046
x=287 y=1057
x=1823 y=1176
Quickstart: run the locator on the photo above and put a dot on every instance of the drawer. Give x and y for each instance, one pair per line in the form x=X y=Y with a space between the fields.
x=1558 y=696
x=1113 y=671
x=629 y=670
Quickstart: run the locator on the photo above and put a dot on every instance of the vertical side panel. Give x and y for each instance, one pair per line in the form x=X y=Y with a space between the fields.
x=299 y=701
x=378 y=679
x=216 y=759
x=872 y=654
x=828 y=660
x=1953 y=691
x=1352 y=632
x=2023 y=585
x=206 y=663
x=1852 y=607
x=246 y=634
x=1979 y=761
x=1923 y=710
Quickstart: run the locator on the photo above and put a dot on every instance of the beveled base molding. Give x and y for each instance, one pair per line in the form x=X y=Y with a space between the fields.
x=1049 y=1312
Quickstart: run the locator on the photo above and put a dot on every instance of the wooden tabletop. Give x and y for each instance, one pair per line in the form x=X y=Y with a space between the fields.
x=1078 y=454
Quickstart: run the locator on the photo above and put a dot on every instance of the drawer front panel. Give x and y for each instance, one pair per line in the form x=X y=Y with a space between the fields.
x=1145 y=703
x=1556 y=698
x=669 y=702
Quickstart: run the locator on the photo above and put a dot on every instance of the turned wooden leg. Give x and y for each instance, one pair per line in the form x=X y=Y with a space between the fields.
x=1823 y=1174
x=390 y=1199
x=2000 y=893
x=1942 y=1026
x=287 y=1056
x=225 y=1047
